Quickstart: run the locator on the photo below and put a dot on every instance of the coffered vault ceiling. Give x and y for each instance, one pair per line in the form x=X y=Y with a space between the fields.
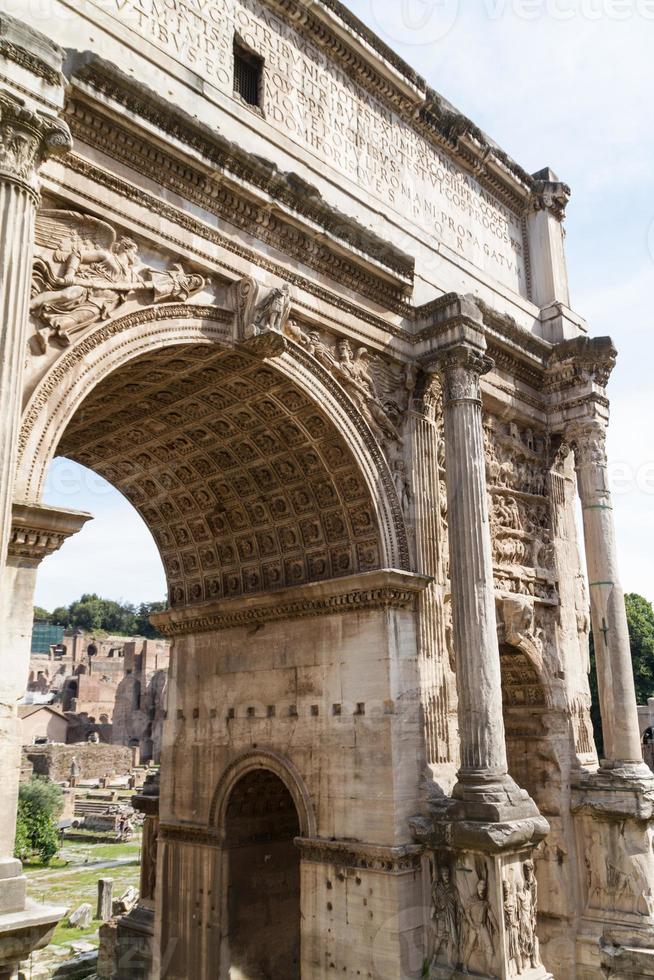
x=245 y=484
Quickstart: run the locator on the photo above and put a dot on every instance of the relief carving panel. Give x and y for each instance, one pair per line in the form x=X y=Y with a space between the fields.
x=84 y=271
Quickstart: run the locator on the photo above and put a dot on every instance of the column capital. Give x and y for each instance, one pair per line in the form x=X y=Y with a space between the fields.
x=38 y=531
x=586 y=436
x=27 y=139
x=461 y=366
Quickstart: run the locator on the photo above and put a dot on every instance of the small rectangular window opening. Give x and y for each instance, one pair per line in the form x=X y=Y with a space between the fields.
x=248 y=74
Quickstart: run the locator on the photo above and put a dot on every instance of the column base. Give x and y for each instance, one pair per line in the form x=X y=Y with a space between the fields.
x=490 y=797
x=630 y=772
x=23 y=932
x=13 y=886
x=134 y=944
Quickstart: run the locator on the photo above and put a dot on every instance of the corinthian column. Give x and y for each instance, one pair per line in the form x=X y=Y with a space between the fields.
x=483 y=777
x=27 y=138
x=615 y=677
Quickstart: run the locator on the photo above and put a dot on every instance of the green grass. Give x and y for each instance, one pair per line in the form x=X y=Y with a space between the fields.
x=29 y=867
x=74 y=880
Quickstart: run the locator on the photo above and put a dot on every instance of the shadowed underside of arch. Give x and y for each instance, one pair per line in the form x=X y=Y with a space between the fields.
x=244 y=482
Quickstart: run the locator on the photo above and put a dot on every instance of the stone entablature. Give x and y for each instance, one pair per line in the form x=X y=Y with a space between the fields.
x=354 y=593
x=39 y=531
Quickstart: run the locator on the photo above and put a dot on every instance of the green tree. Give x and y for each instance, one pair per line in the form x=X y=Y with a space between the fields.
x=640 y=620
x=40 y=803
x=91 y=612
x=41 y=613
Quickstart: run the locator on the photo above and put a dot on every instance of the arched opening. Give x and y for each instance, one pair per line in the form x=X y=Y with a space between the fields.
x=263 y=879
x=252 y=475
x=524 y=709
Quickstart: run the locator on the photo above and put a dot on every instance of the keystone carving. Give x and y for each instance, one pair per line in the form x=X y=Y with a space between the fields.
x=83 y=272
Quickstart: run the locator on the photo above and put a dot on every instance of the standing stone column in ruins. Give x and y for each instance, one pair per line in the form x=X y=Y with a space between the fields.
x=615 y=676
x=135 y=931
x=479 y=684
x=27 y=138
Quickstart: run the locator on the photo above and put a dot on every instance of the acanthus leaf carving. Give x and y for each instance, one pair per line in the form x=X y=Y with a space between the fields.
x=27 y=139
x=83 y=272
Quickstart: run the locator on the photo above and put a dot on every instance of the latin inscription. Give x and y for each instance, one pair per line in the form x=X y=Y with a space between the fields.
x=316 y=104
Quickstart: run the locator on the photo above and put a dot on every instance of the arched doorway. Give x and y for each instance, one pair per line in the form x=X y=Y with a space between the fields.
x=263 y=879
x=524 y=709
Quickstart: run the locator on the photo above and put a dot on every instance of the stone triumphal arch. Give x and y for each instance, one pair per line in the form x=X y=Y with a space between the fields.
x=315 y=326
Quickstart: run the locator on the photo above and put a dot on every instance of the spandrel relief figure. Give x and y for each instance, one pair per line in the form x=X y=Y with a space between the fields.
x=445 y=917
x=380 y=390
x=84 y=273
x=353 y=370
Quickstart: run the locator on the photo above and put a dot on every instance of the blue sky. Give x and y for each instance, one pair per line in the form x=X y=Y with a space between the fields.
x=560 y=83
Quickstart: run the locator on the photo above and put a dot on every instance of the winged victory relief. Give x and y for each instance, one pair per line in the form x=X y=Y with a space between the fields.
x=83 y=272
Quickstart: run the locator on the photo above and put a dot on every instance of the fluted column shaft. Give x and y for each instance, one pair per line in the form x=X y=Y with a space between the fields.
x=17 y=209
x=615 y=674
x=27 y=138
x=479 y=684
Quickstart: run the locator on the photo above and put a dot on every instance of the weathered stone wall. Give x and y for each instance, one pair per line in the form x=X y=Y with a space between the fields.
x=93 y=761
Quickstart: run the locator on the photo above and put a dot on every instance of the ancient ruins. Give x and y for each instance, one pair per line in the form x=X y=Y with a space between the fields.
x=315 y=326
x=112 y=687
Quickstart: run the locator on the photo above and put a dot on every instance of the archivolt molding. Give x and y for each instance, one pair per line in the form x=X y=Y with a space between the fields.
x=283 y=768
x=378 y=541
x=77 y=372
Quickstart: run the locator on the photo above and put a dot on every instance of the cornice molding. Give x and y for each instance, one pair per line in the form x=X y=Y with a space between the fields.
x=31 y=50
x=360 y=856
x=38 y=531
x=576 y=364
x=343 y=854
x=550 y=194
x=25 y=59
x=356 y=593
